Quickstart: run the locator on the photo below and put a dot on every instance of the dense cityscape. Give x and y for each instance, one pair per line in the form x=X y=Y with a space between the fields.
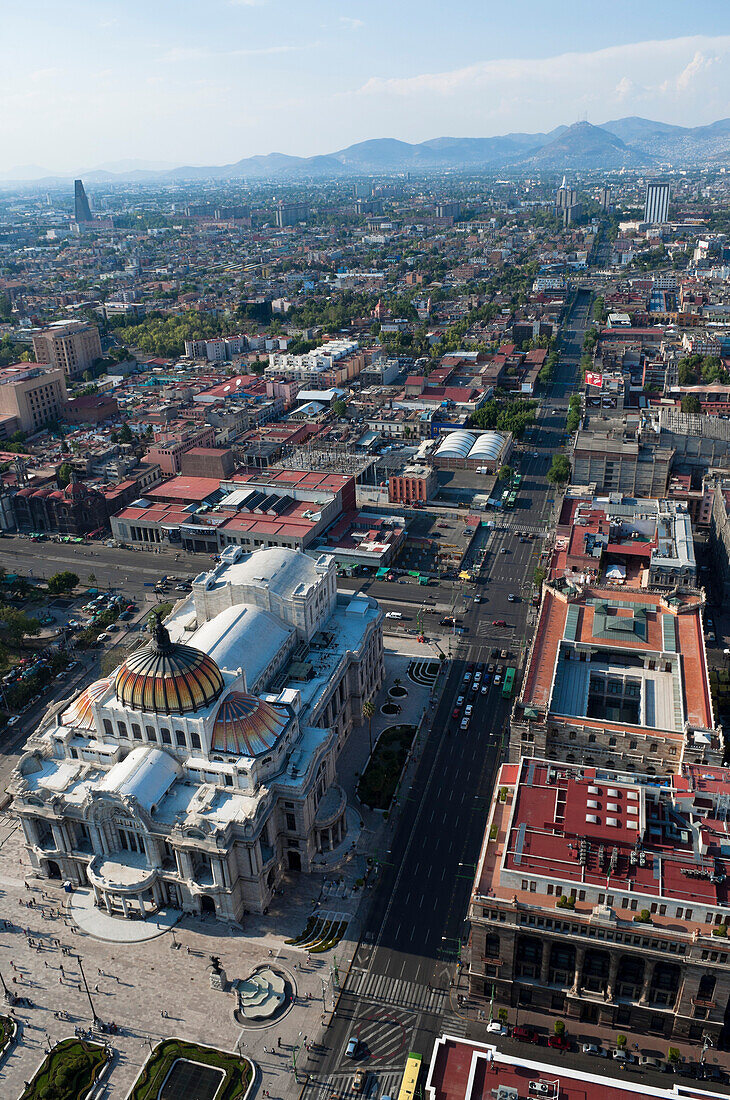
x=364 y=545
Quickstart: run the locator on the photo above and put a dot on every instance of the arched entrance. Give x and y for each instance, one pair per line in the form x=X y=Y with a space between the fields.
x=52 y=869
x=207 y=905
x=295 y=861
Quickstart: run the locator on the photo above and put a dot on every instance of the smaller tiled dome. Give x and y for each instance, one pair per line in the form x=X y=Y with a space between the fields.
x=246 y=725
x=80 y=713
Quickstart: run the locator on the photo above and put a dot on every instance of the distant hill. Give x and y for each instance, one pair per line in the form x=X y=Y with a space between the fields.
x=583 y=146
x=631 y=142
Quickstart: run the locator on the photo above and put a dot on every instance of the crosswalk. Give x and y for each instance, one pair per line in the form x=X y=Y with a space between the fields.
x=379 y=1083
x=397 y=992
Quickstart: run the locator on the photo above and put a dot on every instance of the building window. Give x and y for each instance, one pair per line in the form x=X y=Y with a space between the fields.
x=291 y=823
x=195 y=740
x=151 y=734
x=166 y=738
x=122 y=729
x=180 y=739
x=108 y=727
x=136 y=732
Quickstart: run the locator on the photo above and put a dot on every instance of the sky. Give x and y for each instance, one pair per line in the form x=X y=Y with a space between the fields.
x=88 y=83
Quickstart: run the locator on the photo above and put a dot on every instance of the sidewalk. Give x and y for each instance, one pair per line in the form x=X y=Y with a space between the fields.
x=476 y=1013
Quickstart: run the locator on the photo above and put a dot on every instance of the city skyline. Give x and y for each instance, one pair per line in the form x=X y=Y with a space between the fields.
x=245 y=78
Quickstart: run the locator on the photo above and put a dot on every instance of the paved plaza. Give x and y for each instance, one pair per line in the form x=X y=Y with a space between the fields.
x=158 y=987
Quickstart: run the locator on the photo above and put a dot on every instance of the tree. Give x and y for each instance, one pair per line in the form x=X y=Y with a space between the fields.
x=368 y=709
x=691 y=403
x=339 y=408
x=505 y=473
x=16 y=625
x=65 y=470
x=559 y=471
x=126 y=435
x=62 y=582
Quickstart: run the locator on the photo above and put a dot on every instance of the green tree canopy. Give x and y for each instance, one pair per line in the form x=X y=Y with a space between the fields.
x=559 y=471
x=62 y=582
x=15 y=625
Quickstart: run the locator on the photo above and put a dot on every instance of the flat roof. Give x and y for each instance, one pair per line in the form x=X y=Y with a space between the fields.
x=464 y=1070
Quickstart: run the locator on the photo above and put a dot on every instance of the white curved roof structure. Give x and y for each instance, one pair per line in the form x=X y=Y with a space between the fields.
x=281 y=570
x=146 y=774
x=243 y=636
x=488 y=446
x=456 y=444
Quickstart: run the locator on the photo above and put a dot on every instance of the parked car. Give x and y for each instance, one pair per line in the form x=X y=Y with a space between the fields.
x=495 y=1028
x=464 y=724
x=647 y=1061
x=593 y=1049
x=352 y=1045
x=525 y=1034
x=468 y=710
x=358 y=1082
x=498 y=622
x=560 y=1042
x=619 y=1054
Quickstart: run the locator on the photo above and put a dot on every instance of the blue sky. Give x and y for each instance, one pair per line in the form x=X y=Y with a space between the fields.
x=88 y=82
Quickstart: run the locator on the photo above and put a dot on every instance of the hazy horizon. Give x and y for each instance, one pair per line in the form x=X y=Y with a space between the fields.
x=179 y=84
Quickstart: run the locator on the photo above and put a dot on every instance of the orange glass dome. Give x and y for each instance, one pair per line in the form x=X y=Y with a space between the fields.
x=80 y=713
x=246 y=725
x=167 y=677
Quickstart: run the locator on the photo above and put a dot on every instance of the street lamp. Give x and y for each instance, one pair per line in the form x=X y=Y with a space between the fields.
x=9 y=997
x=94 y=1017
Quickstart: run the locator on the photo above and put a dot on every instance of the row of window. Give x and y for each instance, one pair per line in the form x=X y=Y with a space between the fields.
x=627 y=938
x=182 y=739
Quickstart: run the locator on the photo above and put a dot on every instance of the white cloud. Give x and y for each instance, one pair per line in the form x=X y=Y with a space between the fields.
x=685 y=74
x=351 y=23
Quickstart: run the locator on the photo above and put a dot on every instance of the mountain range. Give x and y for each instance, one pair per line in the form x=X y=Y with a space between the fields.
x=622 y=143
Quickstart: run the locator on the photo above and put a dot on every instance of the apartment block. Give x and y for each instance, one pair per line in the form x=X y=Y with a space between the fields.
x=71 y=346
x=33 y=394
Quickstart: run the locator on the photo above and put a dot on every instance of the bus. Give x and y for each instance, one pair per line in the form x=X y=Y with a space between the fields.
x=511 y=500
x=410 y=1077
x=509 y=683
x=516 y=481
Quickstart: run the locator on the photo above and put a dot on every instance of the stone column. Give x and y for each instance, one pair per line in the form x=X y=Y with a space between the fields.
x=545 y=964
x=612 y=976
x=125 y=907
x=108 y=904
x=580 y=955
x=646 y=986
x=217 y=872
x=58 y=838
x=98 y=896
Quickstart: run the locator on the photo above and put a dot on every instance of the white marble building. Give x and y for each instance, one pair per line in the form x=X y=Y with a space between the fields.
x=206 y=764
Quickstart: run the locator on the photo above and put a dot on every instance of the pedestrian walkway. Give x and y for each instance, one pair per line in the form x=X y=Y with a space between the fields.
x=103 y=926
x=396 y=991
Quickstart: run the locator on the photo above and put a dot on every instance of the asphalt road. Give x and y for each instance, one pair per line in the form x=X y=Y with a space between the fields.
x=396 y=996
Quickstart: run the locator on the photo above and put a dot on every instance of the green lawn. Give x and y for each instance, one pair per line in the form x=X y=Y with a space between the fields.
x=379 y=780
x=68 y=1072
x=237 y=1070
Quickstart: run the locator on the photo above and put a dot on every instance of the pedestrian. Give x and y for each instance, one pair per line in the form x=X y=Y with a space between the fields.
x=278 y=1041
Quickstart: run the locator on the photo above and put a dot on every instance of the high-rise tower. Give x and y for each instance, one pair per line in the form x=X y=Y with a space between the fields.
x=81 y=203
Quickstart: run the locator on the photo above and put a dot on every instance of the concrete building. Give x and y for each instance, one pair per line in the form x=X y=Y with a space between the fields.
x=291 y=213
x=602 y=896
x=473 y=450
x=616 y=459
x=656 y=206
x=417 y=483
x=70 y=346
x=720 y=533
x=332 y=364
x=82 y=211
x=206 y=764
x=35 y=395
x=617 y=677
x=169 y=447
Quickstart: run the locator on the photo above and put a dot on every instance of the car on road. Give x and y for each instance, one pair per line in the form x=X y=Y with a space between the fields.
x=511 y=597
x=393 y=615
x=14 y=720
x=689 y=1069
x=460 y=701
x=358 y=1082
x=504 y=550
x=499 y=622
x=455 y=714
x=467 y=677
x=525 y=1034
x=485 y=689
x=495 y=1028
x=714 y=1073
x=648 y=1061
x=352 y=1045
x=464 y=724
x=560 y=1042
x=593 y=1049
x=467 y=710
x=103 y=637
x=448 y=620
x=497 y=679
